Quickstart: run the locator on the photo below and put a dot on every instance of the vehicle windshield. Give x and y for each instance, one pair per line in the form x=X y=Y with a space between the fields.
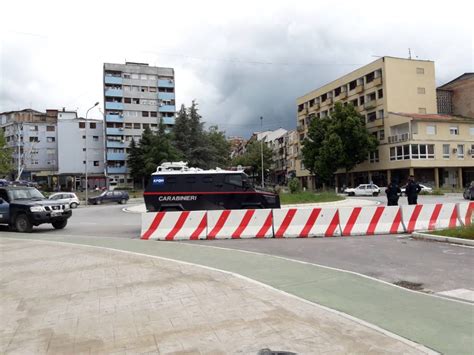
x=28 y=193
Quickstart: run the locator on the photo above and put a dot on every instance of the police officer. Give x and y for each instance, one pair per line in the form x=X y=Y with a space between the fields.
x=393 y=193
x=412 y=190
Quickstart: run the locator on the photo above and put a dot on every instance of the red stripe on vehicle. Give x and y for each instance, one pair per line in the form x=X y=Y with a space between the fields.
x=266 y=226
x=156 y=222
x=352 y=219
x=414 y=218
x=396 y=222
x=375 y=220
x=434 y=216
x=454 y=218
x=200 y=228
x=220 y=223
x=151 y=193
x=333 y=225
x=310 y=222
x=286 y=222
x=177 y=227
x=243 y=224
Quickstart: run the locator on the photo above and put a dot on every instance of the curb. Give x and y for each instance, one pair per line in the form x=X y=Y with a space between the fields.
x=440 y=238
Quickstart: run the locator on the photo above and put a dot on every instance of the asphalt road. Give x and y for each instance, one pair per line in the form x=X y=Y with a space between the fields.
x=446 y=198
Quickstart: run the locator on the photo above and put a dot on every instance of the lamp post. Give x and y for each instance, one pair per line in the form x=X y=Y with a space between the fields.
x=87 y=183
x=261 y=150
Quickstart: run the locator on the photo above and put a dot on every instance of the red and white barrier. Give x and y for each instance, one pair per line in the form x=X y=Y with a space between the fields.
x=237 y=224
x=306 y=222
x=466 y=213
x=430 y=217
x=370 y=220
x=185 y=225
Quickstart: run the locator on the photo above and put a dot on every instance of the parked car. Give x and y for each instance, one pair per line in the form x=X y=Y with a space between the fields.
x=22 y=207
x=4 y=182
x=363 y=190
x=109 y=196
x=424 y=188
x=468 y=193
x=24 y=183
x=66 y=197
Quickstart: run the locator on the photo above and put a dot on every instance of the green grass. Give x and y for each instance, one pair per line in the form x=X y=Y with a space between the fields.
x=309 y=197
x=465 y=232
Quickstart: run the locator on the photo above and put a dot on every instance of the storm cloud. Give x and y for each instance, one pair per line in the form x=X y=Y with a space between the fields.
x=239 y=60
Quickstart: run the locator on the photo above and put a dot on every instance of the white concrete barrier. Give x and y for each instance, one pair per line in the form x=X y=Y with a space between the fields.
x=235 y=224
x=370 y=220
x=306 y=222
x=430 y=217
x=466 y=213
x=185 y=225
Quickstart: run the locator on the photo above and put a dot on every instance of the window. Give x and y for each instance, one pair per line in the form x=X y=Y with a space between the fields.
x=371 y=116
x=127 y=100
x=136 y=101
x=153 y=114
x=422 y=110
x=51 y=151
x=413 y=151
x=145 y=114
x=380 y=93
x=34 y=139
x=420 y=70
x=361 y=100
x=83 y=149
x=152 y=89
x=371 y=96
x=421 y=91
x=381 y=113
x=82 y=125
x=143 y=77
x=95 y=138
x=50 y=128
x=34 y=128
x=83 y=162
x=454 y=130
x=126 y=76
x=144 y=89
x=446 y=153
x=471 y=131
x=92 y=125
x=50 y=139
x=374 y=157
x=460 y=151
x=235 y=180
x=352 y=85
x=96 y=163
x=369 y=77
x=135 y=76
x=382 y=134
x=146 y=125
x=354 y=103
x=472 y=151
x=431 y=129
x=136 y=125
x=128 y=125
x=127 y=88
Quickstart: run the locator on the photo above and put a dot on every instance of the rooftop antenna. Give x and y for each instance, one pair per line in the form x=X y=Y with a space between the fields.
x=409 y=53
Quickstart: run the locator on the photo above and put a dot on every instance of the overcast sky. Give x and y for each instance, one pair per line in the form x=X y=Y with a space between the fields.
x=239 y=61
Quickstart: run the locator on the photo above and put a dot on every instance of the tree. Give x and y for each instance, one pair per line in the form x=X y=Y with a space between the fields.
x=253 y=160
x=136 y=162
x=219 y=148
x=181 y=132
x=340 y=141
x=5 y=156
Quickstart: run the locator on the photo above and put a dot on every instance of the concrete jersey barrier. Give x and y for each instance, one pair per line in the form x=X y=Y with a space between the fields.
x=466 y=213
x=185 y=225
x=370 y=220
x=429 y=217
x=235 y=224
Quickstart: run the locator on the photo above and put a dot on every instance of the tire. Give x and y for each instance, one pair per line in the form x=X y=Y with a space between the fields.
x=123 y=201
x=73 y=205
x=98 y=202
x=59 y=224
x=375 y=194
x=23 y=224
x=351 y=194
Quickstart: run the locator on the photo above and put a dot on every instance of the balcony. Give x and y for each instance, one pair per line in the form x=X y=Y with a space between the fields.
x=115 y=144
x=165 y=83
x=377 y=81
x=116 y=170
x=116 y=156
x=114 y=106
x=370 y=105
x=342 y=95
x=114 y=118
x=166 y=95
x=113 y=79
x=114 y=92
x=300 y=128
x=114 y=131
x=168 y=120
x=400 y=138
x=167 y=108
x=375 y=123
x=358 y=89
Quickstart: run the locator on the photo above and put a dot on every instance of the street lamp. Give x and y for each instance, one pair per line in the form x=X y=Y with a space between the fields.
x=261 y=149
x=87 y=183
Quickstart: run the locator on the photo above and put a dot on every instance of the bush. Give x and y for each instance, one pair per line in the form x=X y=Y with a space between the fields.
x=294 y=185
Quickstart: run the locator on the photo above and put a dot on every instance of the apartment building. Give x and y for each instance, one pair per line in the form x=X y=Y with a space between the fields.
x=457 y=96
x=33 y=137
x=386 y=86
x=292 y=151
x=136 y=96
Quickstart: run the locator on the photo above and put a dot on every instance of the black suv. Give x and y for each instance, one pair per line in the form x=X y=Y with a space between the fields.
x=22 y=207
x=109 y=196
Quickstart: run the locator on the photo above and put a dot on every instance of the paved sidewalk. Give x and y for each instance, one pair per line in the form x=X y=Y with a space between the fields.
x=65 y=298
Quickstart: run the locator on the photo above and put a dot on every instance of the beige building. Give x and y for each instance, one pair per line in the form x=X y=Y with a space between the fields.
x=292 y=151
x=457 y=96
x=379 y=90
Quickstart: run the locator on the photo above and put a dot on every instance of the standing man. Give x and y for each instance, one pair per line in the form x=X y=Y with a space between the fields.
x=393 y=193
x=412 y=190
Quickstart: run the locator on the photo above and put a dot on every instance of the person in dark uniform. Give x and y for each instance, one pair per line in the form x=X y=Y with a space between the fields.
x=412 y=190
x=393 y=193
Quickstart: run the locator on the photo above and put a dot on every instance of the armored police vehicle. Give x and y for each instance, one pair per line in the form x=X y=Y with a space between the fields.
x=176 y=187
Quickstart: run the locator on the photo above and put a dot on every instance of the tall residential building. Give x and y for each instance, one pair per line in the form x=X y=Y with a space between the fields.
x=457 y=96
x=136 y=96
x=397 y=98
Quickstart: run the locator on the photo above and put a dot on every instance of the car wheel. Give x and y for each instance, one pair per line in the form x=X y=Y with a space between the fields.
x=23 y=224
x=59 y=224
x=375 y=194
x=98 y=202
x=123 y=201
x=73 y=205
x=351 y=194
